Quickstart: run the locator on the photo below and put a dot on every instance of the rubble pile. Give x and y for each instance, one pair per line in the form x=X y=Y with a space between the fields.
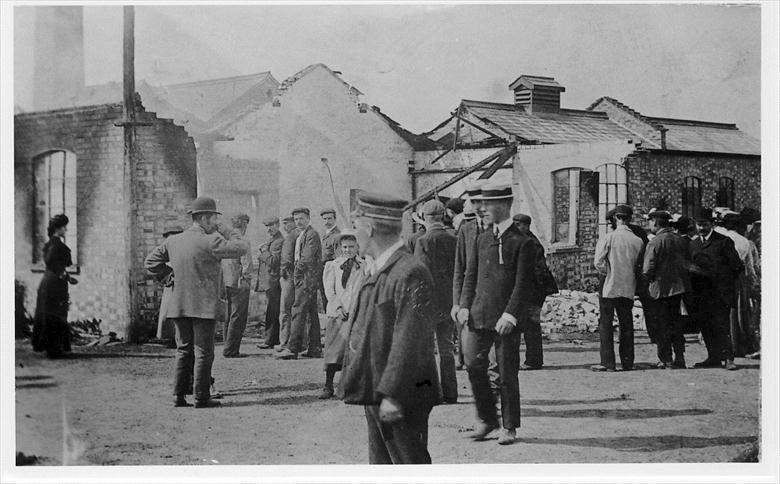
x=578 y=312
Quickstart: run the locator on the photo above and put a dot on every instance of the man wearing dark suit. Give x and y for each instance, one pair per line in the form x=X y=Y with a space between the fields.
x=271 y=256
x=665 y=268
x=330 y=245
x=389 y=365
x=436 y=250
x=306 y=274
x=286 y=264
x=715 y=268
x=534 y=356
x=498 y=289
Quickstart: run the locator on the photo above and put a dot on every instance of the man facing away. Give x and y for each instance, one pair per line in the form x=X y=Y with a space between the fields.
x=665 y=267
x=237 y=277
x=271 y=256
x=194 y=257
x=616 y=258
x=436 y=250
x=389 y=365
x=286 y=265
x=714 y=270
x=498 y=289
x=534 y=356
x=307 y=276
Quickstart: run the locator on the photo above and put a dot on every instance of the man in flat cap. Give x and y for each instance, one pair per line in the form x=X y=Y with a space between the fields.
x=665 y=267
x=307 y=274
x=617 y=255
x=498 y=288
x=195 y=256
x=237 y=278
x=534 y=356
x=287 y=284
x=271 y=256
x=389 y=363
x=330 y=244
x=436 y=250
x=715 y=268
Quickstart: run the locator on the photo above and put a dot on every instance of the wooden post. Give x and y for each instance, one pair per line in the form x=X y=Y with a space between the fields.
x=132 y=332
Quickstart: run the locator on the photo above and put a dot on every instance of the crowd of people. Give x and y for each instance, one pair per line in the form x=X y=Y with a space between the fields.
x=473 y=277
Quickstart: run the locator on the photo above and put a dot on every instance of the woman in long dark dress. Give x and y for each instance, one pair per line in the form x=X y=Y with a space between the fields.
x=50 y=331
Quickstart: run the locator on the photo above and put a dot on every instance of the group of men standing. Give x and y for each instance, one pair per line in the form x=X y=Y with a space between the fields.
x=675 y=271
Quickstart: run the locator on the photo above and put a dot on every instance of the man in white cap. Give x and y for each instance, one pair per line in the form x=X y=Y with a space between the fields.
x=499 y=286
x=194 y=257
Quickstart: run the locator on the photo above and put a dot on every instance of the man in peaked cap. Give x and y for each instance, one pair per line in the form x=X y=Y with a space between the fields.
x=307 y=277
x=617 y=255
x=237 y=277
x=195 y=257
x=389 y=363
x=498 y=289
x=534 y=356
x=270 y=256
x=665 y=267
x=436 y=250
x=715 y=268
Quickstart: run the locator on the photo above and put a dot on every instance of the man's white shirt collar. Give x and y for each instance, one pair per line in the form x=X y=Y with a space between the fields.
x=330 y=230
x=380 y=261
x=501 y=227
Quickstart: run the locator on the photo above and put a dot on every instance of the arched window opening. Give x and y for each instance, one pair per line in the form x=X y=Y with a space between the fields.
x=54 y=182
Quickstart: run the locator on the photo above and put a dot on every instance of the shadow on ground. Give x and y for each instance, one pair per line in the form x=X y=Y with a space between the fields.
x=646 y=444
x=615 y=413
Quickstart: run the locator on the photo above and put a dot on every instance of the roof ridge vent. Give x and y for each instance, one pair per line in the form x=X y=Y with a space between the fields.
x=537 y=94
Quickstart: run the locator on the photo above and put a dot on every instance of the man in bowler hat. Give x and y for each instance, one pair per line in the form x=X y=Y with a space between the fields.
x=389 y=365
x=194 y=257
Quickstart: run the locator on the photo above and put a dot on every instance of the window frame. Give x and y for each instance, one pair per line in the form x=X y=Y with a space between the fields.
x=574 y=178
x=691 y=187
x=621 y=197
x=725 y=184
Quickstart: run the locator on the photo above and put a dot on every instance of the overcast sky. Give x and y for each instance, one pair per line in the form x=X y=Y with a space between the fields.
x=417 y=62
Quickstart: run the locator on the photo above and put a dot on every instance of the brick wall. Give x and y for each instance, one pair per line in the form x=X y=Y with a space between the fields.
x=166 y=181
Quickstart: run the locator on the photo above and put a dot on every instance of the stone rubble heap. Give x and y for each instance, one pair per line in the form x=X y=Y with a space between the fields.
x=578 y=312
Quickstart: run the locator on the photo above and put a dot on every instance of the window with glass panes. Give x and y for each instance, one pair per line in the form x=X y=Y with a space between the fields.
x=613 y=190
x=691 y=196
x=55 y=193
x=725 y=194
x=566 y=197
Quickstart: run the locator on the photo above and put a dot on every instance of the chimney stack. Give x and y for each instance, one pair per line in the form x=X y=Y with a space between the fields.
x=537 y=94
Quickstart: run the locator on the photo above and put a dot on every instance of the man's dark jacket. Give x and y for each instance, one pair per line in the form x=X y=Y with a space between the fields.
x=391 y=338
x=490 y=288
x=436 y=249
x=465 y=248
x=716 y=266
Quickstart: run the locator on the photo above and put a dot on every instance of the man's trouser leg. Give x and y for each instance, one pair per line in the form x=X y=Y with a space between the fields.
x=623 y=306
x=305 y=291
x=234 y=328
x=668 y=318
x=508 y=356
x=274 y=294
x=476 y=346
x=314 y=346
x=446 y=348
x=403 y=442
x=285 y=310
x=533 y=338
x=607 y=342
x=701 y=298
x=720 y=317
x=650 y=313
x=185 y=356
x=203 y=340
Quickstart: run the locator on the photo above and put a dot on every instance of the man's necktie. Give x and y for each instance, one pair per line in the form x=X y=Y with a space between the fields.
x=346 y=268
x=500 y=246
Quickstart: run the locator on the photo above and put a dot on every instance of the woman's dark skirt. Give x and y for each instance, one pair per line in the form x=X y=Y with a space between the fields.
x=51 y=332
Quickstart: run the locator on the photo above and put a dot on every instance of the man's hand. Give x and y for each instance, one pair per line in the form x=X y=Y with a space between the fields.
x=390 y=411
x=504 y=327
x=463 y=316
x=343 y=314
x=454 y=312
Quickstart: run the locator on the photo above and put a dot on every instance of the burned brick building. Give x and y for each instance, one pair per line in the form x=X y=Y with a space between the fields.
x=568 y=167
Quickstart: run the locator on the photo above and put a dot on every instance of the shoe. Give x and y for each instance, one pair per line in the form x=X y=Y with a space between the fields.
x=507 y=437
x=327 y=393
x=180 y=401
x=663 y=365
x=679 y=364
x=210 y=403
x=237 y=355
x=708 y=363
x=730 y=365
x=754 y=356
x=286 y=354
x=215 y=394
x=525 y=367
x=264 y=346
x=626 y=368
x=307 y=354
x=482 y=431
x=278 y=348
x=601 y=368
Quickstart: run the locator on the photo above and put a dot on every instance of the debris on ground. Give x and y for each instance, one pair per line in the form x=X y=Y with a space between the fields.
x=577 y=312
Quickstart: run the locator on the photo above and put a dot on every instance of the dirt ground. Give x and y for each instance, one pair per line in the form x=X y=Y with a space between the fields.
x=112 y=405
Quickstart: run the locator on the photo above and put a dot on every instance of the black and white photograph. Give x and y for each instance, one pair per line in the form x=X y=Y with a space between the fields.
x=288 y=242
